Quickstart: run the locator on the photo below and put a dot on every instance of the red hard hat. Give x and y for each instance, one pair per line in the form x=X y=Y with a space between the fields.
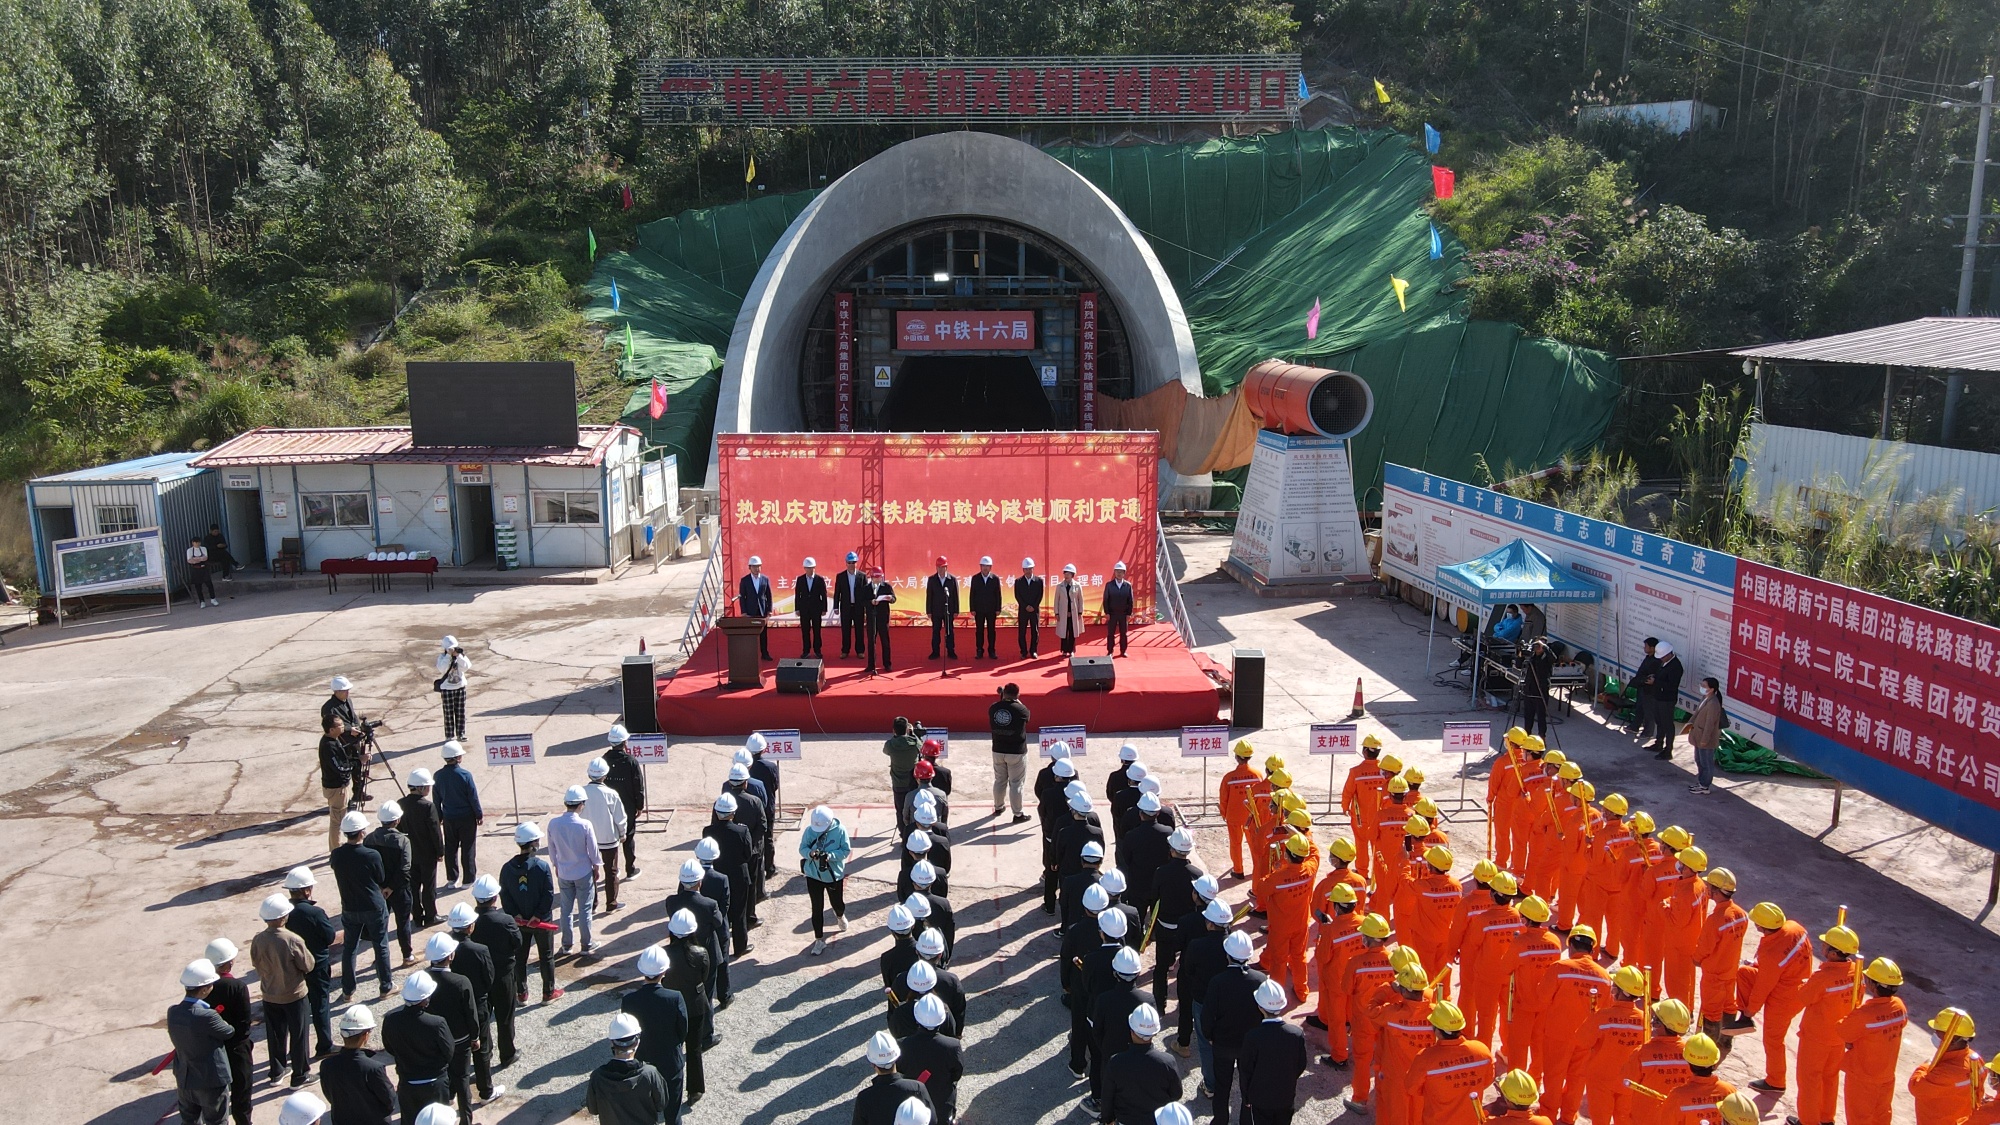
x=940 y=561
x=923 y=770
x=932 y=748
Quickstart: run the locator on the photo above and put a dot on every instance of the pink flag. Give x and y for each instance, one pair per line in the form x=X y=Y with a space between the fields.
x=1312 y=321
x=1444 y=181
x=659 y=406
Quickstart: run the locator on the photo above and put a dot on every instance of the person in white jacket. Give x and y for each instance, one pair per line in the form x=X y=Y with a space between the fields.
x=452 y=669
x=605 y=810
x=1069 y=609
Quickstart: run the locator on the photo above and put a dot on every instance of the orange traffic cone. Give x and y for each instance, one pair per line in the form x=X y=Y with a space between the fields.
x=1359 y=708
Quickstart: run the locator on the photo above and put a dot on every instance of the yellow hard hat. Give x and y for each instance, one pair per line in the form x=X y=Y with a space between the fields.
x=1721 y=878
x=1514 y=736
x=1767 y=916
x=1615 y=804
x=1425 y=806
x=1280 y=778
x=1446 y=1016
x=1371 y=742
x=1676 y=837
x=1581 y=932
x=1343 y=893
x=1416 y=826
x=1695 y=859
x=1342 y=849
x=1505 y=883
x=1583 y=791
x=1534 y=909
x=1641 y=823
x=1533 y=744
x=1403 y=956
x=1390 y=763
x=1884 y=971
x=1843 y=939
x=1413 y=977
x=1484 y=871
x=1569 y=771
x=1242 y=749
x=1955 y=1022
x=1398 y=785
x=1738 y=1109
x=1413 y=775
x=1375 y=926
x=1438 y=856
x=1300 y=846
x=1993 y=1064
x=1554 y=758
x=1298 y=818
x=1673 y=1015
x=1700 y=1050
x=1274 y=762
x=1630 y=979
x=1288 y=800
x=1518 y=1087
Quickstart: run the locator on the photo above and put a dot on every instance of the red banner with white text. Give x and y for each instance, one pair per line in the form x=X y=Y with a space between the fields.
x=901 y=500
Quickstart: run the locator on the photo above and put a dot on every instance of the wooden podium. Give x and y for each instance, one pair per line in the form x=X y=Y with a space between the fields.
x=745 y=647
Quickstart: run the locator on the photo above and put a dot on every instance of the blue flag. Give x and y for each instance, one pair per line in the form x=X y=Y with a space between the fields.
x=1431 y=139
x=1437 y=244
x=614 y=293
x=1302 y=88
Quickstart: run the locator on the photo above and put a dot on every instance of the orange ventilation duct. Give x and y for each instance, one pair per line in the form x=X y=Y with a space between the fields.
x=1294 y=399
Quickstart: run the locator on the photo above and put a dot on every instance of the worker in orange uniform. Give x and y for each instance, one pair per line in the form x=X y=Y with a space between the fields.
x=1580 y=824
x=1694 y=1102
x=1447 y=1077
x=1392 y=859
x=1684 y=906
x=1738 y=1109
x=1267 y=831
x=1543 y=826
x=1433 y=897
x=1361 y=795
x=1720 y=954
x=1289 y=910
x=1829 y=996
x=1873 y=1034
x=1527 y=802
x=1771 y=989
x=1338 y=867
x=1578 y=989
x=1233 y=799
x=1427 y=808
x=1474 y=900
x=1487 y=957
x=1987 y=1112
x=1404 y=1018
x=1604 y=874
x=1503 y=788
x=1402 y=897
x=1944 y=1089
x=1515 y=1106
x=1656 y=1065
x=1607 y=1039
x=1644 y=923
x=1367 y=972
x=1533 y=950
x=1338 y=940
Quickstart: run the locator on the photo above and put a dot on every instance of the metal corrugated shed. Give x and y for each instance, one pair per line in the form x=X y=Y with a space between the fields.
x=1946 y=343
x=160 y=467
x=389 y=445
x=1820 y=468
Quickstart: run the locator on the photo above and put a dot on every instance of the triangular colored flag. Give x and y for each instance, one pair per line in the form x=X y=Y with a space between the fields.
x=614 y=281
x=1303 y=95
x=1444 y=181
x=1312 y=321
x=590 y=243
x=750 y=172
x=1402 y=289
x=1432 y=138
x=625 y=194
x=628 y=341
x=1437 y=244
x=659 y=405
x=1381 y=92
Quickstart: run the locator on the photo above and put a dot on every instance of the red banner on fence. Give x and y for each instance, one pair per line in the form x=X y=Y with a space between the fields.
x=1911 y=688
x=958 y=330
x=901 y=500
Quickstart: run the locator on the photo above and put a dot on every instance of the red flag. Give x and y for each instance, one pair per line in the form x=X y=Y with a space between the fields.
x=659 y=406
x=1443 y=181
x=625 y=195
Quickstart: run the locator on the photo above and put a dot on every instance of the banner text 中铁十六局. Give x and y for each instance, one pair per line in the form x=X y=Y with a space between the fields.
x=902 y=500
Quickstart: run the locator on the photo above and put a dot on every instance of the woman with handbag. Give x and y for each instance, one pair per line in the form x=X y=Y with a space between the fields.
x=452 y=668
x=1704 y=729
x=823 y=848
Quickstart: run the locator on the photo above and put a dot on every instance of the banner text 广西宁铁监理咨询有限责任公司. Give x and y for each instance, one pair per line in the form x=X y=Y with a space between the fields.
x=902 y=500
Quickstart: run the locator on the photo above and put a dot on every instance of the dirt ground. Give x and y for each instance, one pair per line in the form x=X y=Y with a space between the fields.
x=158 y=777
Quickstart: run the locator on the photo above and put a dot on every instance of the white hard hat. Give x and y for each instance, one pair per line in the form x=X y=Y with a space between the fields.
x=1136 y=771
x=683 y=923
x=739 y=772
x=449 y=641
x=822 y=818
x=440 y=948
x=1128 y=753
x=756 y=560
x=726 y=805
x=453 y=749
x=616 y=734
x=222 y=951
x=1144 y=1021
x=810 y=562
x=882 y=1050
x=462 y=916
x=1172 y=1113
x=742 y=754
x=1149 y=784
x=1080 y=802
x=1027 y=564
x=388 y=812
x=986 y=560
x=931 y=1010
x=925 y=814
x=922 y=873
x=1149 y=802
x=756 y=743
x=299 y=878
x=930 y=943
x=357 y=1019
x=919 y=905
x=919 y=841
x=1180 y=840
x=274 y=908
x=1069 y=568
x=1092 y=851
x=1119 y=565
x=1062 y=767
x=437 y=1113
x=418 y=987
x=198 y=973
x=1075 y=788
x=485 y=888
x=420 y=778
x=302 y=1108
x=1271 y=996
x=353 y=822
x=1217 y=911
x=527 y=833
x=913 y=1112
x=1237 y=945
x=901 y=921
x=1095 y=898
x=1663 y=649
x=653 y=960
x=597 y=768
x=707 y=850
x=1111 y=923
x=624 y=1026
x=342 y=683
x=1125 y=962
x=1206 y=886
x=1113 y=882
x=1059 y=750
x=691 y=872
x=921 y=977
x=575 y=795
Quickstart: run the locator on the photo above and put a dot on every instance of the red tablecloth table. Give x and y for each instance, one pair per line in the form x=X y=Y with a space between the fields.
x=379 y=571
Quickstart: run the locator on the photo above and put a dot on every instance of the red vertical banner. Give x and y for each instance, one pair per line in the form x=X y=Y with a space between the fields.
x=843 y=362
x=1086 y=360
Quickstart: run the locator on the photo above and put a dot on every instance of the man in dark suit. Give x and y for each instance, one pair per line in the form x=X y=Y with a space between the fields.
x=318 y=931
x=809 y=602
x=356 y=1079
x=985 y=598
x=501 y=935
x=421 y=1042
x=231 y=1000
x=753 y=599
x=201 y=1056
x=1271 y=1060
x=663 y=1024
x=878 y=1101
x=941 y=605
x=1117 y=610
x=426 y=835
x=455 y=1000
x=880 y=597
x=474 y=962
x=850 y=604
x=1028 y=605
x=364 y=912
x=711 y=923
x=394 y=848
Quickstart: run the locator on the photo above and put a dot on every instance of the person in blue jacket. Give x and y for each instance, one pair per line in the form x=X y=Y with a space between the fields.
x=823 y=848
x=456 y=796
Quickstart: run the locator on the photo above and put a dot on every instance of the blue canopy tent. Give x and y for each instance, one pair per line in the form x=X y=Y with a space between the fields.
x=1516 y=572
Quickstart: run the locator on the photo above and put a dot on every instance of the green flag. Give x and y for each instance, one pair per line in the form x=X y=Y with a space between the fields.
x=628 y=341
x=591 y=236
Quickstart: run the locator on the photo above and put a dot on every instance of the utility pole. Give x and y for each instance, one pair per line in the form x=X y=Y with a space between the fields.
x=1954 y=389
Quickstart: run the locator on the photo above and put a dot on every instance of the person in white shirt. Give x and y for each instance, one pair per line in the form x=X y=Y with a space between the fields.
x=199 y=583
x=452 y=668
x=574 y=853
x=605 y=810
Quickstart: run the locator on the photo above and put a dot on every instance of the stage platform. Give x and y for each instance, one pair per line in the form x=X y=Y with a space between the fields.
x=1159 y=687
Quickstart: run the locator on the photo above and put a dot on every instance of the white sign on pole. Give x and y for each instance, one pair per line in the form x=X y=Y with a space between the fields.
x=647 y=749
x=1049 y=736
x=781 y=745
x=1468 y=738
x=510 y=749
x=1205 y=741
x=943 y=737
x=1334 y=738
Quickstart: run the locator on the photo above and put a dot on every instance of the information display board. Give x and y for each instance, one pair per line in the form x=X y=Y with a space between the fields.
x=1299 y=522
x=1205 y=741
x=510 y=749
x=781 y=745
x=647 y=749
x=1047 y=737
x=103 y=564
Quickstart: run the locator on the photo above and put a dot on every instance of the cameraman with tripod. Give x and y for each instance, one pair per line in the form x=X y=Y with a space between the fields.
x=357 y=737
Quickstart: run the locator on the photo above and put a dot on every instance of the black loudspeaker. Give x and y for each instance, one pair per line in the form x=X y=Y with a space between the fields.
x=806 y=676
x=642 y=715
x=1091 y=673
x=1246 y=699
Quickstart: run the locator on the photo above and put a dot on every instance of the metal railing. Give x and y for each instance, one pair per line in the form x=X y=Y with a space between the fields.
x=707 y=602
x=1167 y=589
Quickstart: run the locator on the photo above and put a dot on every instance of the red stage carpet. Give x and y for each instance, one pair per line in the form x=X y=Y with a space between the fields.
x=1159 y=688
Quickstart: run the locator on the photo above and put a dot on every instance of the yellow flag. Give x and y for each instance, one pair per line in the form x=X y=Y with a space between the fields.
x=1381 y=92
x=750 y=173
x=1402 y=289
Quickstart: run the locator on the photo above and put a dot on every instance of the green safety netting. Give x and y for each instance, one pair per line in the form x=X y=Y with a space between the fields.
x=1251 y=232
